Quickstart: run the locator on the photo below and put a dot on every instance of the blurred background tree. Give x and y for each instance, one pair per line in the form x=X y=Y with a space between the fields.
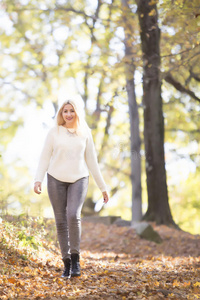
x=52 y=50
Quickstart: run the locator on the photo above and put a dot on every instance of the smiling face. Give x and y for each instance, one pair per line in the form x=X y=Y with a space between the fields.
x=69 y=115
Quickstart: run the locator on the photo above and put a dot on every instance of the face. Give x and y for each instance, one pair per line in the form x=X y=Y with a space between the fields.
x=69 y=115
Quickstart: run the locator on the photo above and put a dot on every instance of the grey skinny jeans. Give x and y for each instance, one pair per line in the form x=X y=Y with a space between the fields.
x=67 y=200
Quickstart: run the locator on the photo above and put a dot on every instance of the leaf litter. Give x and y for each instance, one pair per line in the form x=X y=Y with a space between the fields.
x=115 y=262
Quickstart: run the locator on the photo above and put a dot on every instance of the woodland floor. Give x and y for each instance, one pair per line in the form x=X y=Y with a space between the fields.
x=115 y=262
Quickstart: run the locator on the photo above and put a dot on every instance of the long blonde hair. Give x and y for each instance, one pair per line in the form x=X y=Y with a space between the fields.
x=81 y=125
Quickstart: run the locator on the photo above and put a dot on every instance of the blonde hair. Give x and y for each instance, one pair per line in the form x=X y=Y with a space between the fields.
x=81 y=126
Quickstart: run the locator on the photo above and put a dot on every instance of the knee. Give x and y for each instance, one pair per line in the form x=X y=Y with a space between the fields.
x=60 y=219
x=73 y=218
x=61 y=226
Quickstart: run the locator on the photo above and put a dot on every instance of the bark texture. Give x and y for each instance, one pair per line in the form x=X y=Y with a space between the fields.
x=158 y=205
x=135 y=152
x=134 y=116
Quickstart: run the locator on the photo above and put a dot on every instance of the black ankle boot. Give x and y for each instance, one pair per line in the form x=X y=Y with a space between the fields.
x=75 y=265
x=67 y=270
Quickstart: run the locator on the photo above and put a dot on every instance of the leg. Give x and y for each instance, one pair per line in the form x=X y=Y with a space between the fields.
x=76 y=194
x=57 y=191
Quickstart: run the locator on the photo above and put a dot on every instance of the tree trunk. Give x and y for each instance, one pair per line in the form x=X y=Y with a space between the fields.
x=158 y=205
x=135 y=151
x=134 y=117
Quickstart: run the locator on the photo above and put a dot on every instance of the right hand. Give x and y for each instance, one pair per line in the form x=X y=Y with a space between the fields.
x=38 y=187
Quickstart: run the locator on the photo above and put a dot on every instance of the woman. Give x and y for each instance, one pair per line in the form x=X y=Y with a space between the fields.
x=68 y=155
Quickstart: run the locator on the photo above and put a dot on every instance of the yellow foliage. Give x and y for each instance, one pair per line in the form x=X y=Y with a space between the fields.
x=152 y=12
x=197 y=283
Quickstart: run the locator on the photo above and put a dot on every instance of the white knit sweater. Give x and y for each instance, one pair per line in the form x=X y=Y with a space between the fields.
x=68 y=157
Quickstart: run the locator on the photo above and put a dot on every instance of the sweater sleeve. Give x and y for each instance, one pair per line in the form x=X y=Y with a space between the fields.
x=45 y=157
x=92 y=163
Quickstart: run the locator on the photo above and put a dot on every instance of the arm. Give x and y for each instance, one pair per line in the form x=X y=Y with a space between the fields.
x=92 y=163
x=44 y=161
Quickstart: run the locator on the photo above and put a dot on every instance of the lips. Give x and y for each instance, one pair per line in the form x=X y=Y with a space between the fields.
x=70 y=119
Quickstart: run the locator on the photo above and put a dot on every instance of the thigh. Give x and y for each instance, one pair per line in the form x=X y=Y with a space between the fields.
x=76 y=195
x=57 y=191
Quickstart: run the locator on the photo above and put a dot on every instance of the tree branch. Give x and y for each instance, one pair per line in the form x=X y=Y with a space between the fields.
x=178 y=86
x=195 y=76
x=57 y=8
x=18 y=89
x=183 y=130
x=179 y=53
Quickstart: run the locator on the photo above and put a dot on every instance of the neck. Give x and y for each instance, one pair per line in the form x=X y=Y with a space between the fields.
x=68 y=127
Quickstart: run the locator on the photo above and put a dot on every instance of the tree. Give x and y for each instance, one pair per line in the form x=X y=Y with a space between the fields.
x=158 y=205
x=133 y=113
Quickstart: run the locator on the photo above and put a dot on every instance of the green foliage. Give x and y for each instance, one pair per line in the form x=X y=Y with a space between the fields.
x=185 y=203
x=28 y=240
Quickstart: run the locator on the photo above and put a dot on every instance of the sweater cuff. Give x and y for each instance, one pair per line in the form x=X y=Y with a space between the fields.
x=104 y=189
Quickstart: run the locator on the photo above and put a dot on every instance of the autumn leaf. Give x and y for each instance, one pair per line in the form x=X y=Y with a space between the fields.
x=12 y=280
x=115 y=262
x=152 y=12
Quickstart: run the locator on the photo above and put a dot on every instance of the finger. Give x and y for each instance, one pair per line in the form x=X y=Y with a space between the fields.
x=105 y=199
x=37 y=190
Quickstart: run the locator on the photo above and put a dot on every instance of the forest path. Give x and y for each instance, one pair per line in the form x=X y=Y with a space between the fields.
x=115 y=263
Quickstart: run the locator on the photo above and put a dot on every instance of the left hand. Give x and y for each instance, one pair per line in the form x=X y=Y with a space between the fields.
x=105 y=197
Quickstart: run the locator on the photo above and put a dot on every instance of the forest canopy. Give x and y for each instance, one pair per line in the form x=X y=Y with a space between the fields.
x=52 y=50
